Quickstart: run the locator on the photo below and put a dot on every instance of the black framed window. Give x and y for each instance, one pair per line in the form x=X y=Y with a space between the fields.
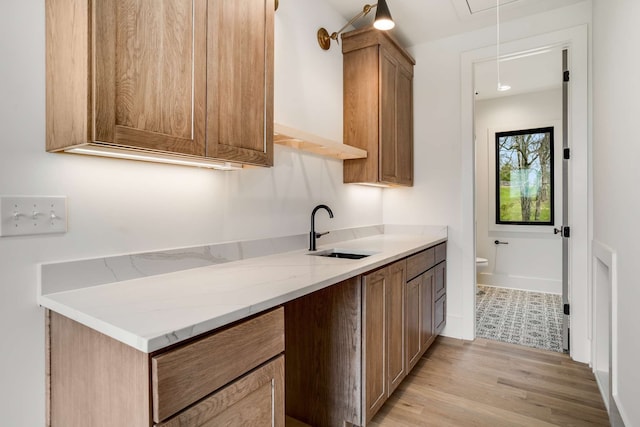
x=524 y=177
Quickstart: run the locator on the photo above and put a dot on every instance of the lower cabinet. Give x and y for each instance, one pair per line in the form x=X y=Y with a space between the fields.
x=419 y=308
x=350 y=345
x=231 y=375
x=426 y=301
x=383 y=334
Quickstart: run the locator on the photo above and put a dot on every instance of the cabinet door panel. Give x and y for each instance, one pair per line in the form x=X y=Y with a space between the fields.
x=413 y=310
x=440 y=314
x=427 y=305
x=375 y=315
x=388 y=137
x=440 y=284
x=395 y=325
x=149 y=67
x=240 y=81
x=404 y=127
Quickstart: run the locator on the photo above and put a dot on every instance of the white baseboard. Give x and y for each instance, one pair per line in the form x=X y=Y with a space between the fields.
x=602 y=379
x=534 y=284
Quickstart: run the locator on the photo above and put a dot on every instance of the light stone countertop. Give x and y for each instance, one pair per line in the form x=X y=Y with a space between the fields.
x=153 y=312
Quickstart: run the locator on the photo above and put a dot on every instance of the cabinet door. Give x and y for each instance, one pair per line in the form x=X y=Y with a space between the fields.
x=396 y=361
x=240 y=81
x=413 y=310
x=404 y=126
x=427 y=306
x=388 y=135
x=374 y=332
x=396 y=121
x=149 y=74
x=254 y=400
x=440 y=285
x=440 y=314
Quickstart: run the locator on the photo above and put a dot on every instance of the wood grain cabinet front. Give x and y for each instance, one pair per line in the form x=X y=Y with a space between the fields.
x=191 y=78
x=236 y=373
x=383 y=334
x=378 y=108
x=425 y=301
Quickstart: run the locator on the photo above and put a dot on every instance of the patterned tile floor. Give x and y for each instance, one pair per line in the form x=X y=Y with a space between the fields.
x=519 y=317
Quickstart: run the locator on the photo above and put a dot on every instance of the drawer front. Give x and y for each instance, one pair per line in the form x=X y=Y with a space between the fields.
x=440 y=314
x=256 y=399
x=420 y=262
x=186 y=374
x=441 y=252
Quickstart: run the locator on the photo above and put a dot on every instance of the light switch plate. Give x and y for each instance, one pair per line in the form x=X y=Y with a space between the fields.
x=27 y=215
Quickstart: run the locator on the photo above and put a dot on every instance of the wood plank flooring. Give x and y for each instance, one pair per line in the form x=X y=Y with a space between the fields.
x=489 y=383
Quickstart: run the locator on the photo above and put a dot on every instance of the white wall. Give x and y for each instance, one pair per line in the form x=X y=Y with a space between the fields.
x=118 y=206
x=616 y=150
x=533 y=258
x=440 y=182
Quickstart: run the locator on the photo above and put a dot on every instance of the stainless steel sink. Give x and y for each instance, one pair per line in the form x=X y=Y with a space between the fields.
x=343 y=253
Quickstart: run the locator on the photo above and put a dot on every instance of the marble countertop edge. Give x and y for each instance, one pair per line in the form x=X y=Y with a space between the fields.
x=84 y=306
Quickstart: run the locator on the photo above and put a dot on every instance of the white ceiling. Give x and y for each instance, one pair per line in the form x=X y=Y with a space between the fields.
x=418 y=21
x=524 y=73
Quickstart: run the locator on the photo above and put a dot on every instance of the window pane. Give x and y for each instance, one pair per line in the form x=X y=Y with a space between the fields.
x=524 y=177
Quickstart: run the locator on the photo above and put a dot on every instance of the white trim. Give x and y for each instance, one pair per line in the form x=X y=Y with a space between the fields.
x=576 y=38
x=608 y=257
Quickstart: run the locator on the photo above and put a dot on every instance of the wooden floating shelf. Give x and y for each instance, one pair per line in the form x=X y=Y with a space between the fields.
x=301 y=140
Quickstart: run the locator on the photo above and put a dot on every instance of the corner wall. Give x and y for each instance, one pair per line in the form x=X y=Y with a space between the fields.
x=616 y=150
x=118 y=206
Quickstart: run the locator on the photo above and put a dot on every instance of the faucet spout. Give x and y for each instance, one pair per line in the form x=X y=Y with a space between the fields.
x=313 y=235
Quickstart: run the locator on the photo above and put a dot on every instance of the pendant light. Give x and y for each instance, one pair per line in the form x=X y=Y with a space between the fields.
x=501 y=87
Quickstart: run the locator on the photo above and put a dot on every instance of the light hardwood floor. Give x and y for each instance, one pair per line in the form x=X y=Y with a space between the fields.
x=489 y=383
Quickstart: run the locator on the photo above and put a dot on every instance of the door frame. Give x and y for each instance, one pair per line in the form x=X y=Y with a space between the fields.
x=580 y=207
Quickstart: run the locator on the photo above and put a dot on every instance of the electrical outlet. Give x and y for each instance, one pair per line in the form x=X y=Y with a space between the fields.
x=26 y=215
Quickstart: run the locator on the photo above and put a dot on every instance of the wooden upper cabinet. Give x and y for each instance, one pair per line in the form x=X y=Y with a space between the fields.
x=240 y=81
x=181 y=77
x=149 y=65
x=378 y=108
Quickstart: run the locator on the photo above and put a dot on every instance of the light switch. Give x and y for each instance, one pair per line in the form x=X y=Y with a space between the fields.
x=25 y=215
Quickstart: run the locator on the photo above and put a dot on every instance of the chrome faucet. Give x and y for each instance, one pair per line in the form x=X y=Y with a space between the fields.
x=313 y=235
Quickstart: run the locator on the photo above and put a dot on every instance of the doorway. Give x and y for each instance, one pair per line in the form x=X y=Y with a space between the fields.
x=520 y=199
x=576 y=39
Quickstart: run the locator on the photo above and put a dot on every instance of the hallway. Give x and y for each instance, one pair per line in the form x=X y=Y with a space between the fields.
x=488 y=383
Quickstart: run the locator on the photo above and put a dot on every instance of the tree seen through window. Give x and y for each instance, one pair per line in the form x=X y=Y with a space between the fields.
x=524 y=177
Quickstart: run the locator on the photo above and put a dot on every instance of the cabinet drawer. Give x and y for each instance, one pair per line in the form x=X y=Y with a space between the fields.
x=420 y=262
x=440 y=314
x=186 y=374
x=441 y=252
x=256 y=399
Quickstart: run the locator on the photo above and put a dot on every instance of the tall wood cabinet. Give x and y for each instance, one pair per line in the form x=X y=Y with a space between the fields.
x=383 y=334
x=191 y=78
x=378 y=108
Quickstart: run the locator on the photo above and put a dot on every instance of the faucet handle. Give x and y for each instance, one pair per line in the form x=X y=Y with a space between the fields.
x=318 y=235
